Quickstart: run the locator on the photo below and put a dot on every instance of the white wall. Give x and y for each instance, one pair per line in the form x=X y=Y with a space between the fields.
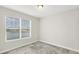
x=61 y=29
x=5 y=46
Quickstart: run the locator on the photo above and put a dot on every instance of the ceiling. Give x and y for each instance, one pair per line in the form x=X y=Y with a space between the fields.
x=44 y=12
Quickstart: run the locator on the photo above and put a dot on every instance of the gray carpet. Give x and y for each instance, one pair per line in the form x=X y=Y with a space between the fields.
x=40 y=48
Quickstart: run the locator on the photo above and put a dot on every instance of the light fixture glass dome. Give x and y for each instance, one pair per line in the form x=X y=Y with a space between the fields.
x=40 y=6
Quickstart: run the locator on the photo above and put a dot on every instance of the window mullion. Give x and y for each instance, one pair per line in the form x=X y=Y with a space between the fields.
x=20 y=28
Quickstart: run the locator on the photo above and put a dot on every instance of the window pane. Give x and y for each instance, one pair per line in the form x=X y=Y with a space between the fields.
x=25 y=33
x=25 y=24
x=12 y=22
x=25 y=28
x=12 y=34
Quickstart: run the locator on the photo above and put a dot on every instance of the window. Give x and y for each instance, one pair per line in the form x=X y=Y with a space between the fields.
x=17 y=28
x=25 y=28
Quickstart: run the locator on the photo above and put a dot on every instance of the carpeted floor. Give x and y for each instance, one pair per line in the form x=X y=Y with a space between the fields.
x=40 y=48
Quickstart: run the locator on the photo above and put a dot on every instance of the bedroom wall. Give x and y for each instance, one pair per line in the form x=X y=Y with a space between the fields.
x=5 y=46
x=61 y=29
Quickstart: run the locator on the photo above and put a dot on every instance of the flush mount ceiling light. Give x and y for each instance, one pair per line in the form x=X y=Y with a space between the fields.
x=40 y=6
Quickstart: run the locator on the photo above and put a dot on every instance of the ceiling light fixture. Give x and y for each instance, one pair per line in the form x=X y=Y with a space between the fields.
x=40 y=6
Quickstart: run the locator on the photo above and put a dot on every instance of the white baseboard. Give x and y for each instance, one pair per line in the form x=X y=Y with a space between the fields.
x=16 y=47
x=60 y=46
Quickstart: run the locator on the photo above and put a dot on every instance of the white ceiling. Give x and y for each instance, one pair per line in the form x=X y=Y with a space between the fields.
x=46 y=11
